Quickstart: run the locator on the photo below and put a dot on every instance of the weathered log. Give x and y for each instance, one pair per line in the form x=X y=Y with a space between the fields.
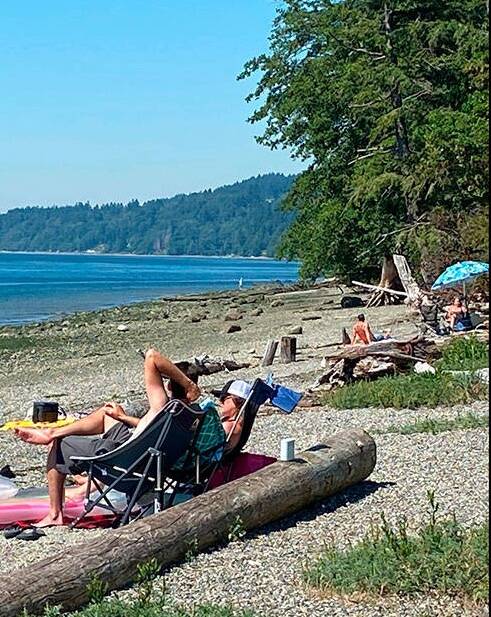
x=288 y=350
x=113 y=557
x=405 y=276
x=394 y=292
x=352 y=352
x=269 y=354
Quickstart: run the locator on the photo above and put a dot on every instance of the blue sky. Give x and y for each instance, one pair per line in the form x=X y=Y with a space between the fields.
x=119 y=99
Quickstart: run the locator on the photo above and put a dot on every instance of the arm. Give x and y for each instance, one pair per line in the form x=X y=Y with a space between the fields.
x=157 y=365
x=115 y=411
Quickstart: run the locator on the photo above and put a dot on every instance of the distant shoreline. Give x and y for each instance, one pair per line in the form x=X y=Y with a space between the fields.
x=43 y=287
x=97 y=254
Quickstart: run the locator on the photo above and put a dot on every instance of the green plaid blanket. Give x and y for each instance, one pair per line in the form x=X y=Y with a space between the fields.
x=209 y=443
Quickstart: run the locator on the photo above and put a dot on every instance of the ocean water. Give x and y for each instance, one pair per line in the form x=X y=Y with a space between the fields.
x=40 y=286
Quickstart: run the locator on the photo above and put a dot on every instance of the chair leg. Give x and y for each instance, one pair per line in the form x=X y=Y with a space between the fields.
x=159 y=484
x=136 y=492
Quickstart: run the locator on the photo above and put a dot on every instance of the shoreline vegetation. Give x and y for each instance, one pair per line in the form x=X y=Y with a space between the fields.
x=173 y=255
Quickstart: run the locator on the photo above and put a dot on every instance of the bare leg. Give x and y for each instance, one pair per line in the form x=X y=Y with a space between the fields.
x=93 y=424
x=157 y=365
x=56 y=492
x=154 y=386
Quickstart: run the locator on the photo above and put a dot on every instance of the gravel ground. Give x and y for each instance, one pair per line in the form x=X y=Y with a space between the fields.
x=262 y=572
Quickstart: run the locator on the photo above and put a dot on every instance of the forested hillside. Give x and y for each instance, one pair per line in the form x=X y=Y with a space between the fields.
x=241 y=219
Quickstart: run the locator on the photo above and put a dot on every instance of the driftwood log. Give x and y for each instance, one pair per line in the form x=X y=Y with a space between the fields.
x=208 y=366
x=375 y=360
x=276 y=491
x=406 y=277
x=269 y=353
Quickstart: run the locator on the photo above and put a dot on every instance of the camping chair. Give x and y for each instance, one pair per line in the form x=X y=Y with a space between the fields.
x=141 y=465
x=432 y=320
x=192 y=473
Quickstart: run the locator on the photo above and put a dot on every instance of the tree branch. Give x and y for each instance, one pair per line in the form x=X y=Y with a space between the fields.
x=373 y=153
x=376 y=55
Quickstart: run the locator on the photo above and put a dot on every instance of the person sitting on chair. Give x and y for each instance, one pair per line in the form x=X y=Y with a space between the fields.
x=456 y=312
x=232 y=397
x=105 y=429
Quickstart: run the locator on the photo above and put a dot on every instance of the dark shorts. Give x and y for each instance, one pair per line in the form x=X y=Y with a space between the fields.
x=74 y=445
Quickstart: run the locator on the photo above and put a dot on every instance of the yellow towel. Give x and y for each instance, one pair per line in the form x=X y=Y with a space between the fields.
x=13 y=424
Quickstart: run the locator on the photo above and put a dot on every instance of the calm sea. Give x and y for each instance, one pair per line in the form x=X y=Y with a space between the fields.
x=38 y=286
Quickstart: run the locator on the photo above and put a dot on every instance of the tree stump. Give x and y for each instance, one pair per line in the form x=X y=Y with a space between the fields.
x=288 y=352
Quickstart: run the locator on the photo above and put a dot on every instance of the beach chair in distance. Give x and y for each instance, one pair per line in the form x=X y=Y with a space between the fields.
x=141 y=466
x=432 y=319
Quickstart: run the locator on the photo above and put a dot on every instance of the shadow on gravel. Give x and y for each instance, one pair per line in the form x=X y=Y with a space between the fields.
x=350 y=495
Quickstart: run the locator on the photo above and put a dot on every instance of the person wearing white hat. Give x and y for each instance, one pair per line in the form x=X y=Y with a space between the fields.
x=232 y=397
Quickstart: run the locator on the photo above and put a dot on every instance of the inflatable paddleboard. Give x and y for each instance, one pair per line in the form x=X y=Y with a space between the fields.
x=31 y=505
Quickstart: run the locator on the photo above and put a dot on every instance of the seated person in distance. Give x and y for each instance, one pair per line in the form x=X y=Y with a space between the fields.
x=456 y=312
x=361 y=333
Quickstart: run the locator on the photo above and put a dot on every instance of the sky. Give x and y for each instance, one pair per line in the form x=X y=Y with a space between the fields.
x=119 y=99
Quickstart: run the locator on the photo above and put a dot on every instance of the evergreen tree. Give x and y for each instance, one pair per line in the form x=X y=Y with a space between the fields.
x=388 y=102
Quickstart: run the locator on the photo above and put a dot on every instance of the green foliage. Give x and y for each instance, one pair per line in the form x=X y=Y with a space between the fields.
x=145 y=576
x=443 y=556
x=237 y=530
x=191 y=550
x=464 y=354
x=388 y=103
x=435 y=426
x=119 y=608
x=241 y=219
x=408 y=391
x=96 y=589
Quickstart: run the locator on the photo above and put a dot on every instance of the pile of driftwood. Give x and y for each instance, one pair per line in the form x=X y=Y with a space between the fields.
x=389 y=357
x=204 y=365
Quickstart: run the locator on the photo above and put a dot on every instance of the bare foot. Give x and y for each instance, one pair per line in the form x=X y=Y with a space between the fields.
x=50 y=521
x=37 y=436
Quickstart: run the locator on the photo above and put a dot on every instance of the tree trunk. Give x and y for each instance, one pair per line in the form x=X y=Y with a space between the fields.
x=276 y=491
x=388 y=279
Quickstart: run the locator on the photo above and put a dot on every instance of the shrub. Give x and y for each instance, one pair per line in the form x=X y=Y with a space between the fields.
x=464 y=354
x=443 y=556
x=409 y=391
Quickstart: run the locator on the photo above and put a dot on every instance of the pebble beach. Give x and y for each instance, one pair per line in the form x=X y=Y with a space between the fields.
x=90 y=358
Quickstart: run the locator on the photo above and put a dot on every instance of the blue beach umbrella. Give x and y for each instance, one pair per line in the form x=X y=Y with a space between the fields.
x=460 y=273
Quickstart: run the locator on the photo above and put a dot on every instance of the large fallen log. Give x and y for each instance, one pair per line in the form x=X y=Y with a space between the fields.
x=353 y=362
x=418 y=347
x=278 y=490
